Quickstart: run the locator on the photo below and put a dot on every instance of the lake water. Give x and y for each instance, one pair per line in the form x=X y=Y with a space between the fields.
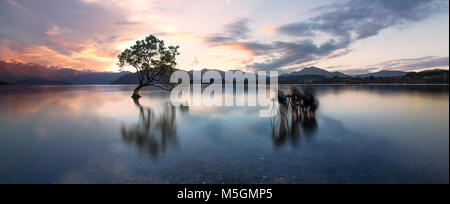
x=97 y=134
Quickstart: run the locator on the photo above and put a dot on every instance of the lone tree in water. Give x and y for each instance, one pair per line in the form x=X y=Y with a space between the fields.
x=154 y=63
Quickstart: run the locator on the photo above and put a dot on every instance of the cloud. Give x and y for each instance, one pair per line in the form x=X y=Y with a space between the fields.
x=280 y=54
x=407 y=65
x=195 y=62
x=87 y=57
x=74 y=32
x=128 y=23
x=289 y=53
x=182 y=35
x=340 y=24
x=81 y=34
x=269 y=29
x=234 y=31
x=359 y=71
x=414 y=64
x=46 y=42
x=361 y=18
x=54 y=30
x=13 y=3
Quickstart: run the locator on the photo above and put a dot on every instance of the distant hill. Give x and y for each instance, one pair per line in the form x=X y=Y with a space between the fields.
x=34 y=74
x=310 y=71
x=425 y=77
x=428 y=74
x=127 y=79
x=384 y=73
x=287 y=79
x=38 y=81
x=132 y=78
x=317 y=75
x=95 y=78
x=15 y=72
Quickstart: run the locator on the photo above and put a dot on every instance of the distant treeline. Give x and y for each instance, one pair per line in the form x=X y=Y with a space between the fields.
x=426 y=77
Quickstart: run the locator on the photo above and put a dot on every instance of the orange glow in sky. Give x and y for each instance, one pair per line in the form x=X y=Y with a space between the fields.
x=249 y=35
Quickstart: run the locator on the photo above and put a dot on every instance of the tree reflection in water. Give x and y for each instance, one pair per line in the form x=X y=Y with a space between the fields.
x=153 y=133
x=288 y=126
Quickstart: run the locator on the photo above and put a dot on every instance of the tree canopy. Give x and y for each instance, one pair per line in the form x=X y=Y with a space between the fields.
x=153 y=61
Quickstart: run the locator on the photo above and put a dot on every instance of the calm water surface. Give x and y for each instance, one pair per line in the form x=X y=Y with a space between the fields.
x=97 y=134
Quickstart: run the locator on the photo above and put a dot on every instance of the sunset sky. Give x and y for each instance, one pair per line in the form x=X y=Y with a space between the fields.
x=352 y=36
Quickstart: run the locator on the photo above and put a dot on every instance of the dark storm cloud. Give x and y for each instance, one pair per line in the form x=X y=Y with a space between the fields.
x=237 y=30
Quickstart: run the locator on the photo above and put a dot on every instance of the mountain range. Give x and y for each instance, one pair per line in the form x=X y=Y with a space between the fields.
x=384 y=73
x=34 y=74
x=318 y=72
x=132 y=78
x=31 y=74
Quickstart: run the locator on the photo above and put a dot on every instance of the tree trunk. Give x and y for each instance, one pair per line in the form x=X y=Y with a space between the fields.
x=136 y=92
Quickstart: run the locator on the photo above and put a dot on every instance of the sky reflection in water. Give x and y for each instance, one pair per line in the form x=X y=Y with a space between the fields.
x=98 y=134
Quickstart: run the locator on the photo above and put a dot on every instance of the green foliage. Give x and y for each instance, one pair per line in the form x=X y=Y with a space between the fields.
x=153 y=61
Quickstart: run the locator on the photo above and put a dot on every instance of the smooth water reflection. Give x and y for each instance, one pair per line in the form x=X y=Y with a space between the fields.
x=98 y=134
x=152 y=133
